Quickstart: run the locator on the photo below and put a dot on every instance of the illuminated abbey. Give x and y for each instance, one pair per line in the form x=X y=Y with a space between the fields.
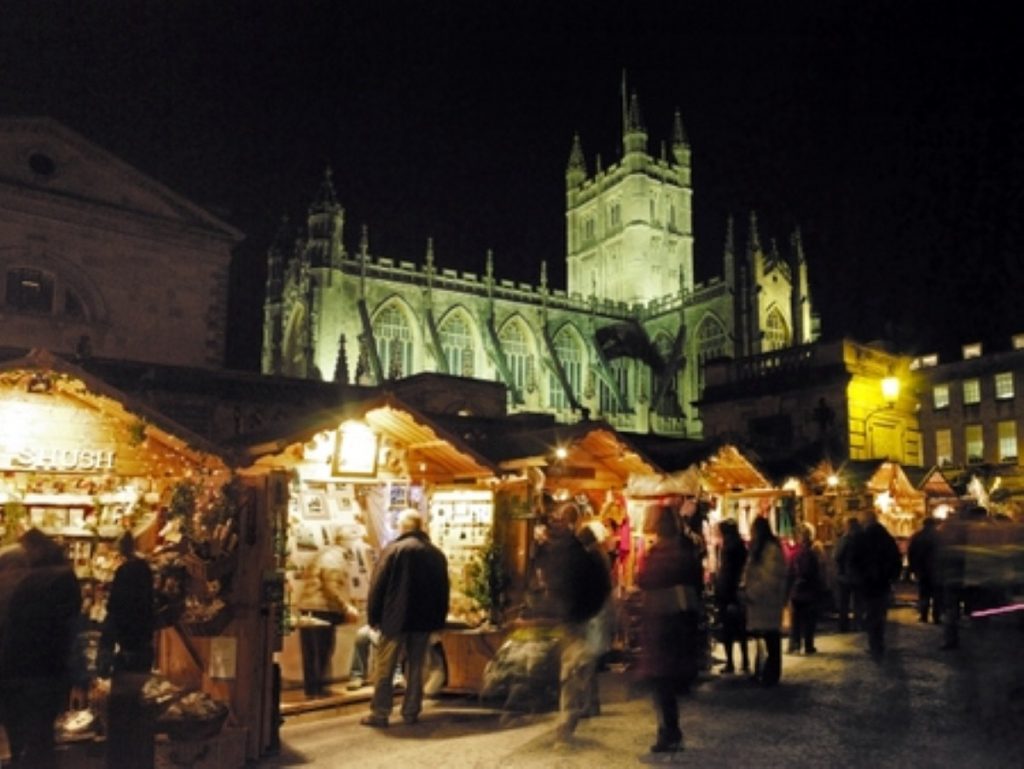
x=625 y=341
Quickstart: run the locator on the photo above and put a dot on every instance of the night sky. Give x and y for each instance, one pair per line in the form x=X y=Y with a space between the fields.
x=891 y=132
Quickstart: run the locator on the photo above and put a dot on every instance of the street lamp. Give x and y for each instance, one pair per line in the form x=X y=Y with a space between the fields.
x=890 y=394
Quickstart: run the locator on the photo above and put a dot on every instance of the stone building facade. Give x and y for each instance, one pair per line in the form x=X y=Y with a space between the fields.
x=627 y=340
x=98 y=259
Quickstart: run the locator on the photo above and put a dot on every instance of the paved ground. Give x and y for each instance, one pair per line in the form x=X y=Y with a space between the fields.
x=920 y=707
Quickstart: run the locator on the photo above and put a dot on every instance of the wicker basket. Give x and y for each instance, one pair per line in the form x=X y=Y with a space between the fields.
x=192 y=729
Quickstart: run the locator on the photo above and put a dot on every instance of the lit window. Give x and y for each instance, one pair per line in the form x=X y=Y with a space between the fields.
x=975 y=443
x=943 y=447
x=1004 y=385
x=972 y=392
x=711 y=344
x=1007 y=432
x=776 y=333
x=517 y=353
x=972 y=351
x=940 y=396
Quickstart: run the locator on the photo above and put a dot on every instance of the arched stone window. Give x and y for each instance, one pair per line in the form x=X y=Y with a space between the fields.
x=569 y=351
x=711 y=343
x=457 y=344
x=394 y=342
x=516 y=346
x=620 y=371
x=776 y=331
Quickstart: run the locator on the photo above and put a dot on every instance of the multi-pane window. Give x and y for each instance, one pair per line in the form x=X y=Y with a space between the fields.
x=711 y=344
x=29 y=289
x=615 y=214
x=394 y=342
x=1004 y=385
x=457 y=344
x=619 y=368
x=1007 y=435
x=940 y=396
x=972 y=391
x=776 y=332
x=974 y=443
x=943 y=447
x=517 y=354
x=568 y=352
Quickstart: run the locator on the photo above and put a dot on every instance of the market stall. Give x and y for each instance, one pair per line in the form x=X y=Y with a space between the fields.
x=84 y=463
x=351 y=472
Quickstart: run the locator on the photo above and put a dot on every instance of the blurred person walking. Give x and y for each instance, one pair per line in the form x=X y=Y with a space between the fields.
x=408 y=600
x=876 y=556
x=670 y=614
x=764 y=593
x=572 y=588
x=37 y=669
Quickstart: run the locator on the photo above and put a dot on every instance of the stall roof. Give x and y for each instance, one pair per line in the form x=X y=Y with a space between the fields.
x=722 y=470
x=426 y=442
x=59 y=375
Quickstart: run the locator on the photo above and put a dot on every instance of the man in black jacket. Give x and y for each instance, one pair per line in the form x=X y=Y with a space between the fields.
x=408 y=601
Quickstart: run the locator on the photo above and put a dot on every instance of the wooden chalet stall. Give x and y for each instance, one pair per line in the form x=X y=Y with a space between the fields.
x=85 y=463
x=351 y=471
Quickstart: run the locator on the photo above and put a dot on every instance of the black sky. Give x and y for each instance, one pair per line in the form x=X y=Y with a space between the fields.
x=891 y=132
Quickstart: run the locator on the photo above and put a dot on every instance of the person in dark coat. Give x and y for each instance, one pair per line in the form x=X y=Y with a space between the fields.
x=727 y=600
x=408 y=600
x=36 y=666
x=876 y=557
x=848 y=580
x=126 y=649
x=805 y=582
x=922 y=557
x=669 y=612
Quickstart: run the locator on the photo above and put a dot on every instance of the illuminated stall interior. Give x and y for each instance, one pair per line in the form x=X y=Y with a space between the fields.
x=353 y=470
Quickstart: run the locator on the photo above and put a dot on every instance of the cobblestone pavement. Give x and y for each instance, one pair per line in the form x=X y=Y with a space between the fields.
x=919 y=707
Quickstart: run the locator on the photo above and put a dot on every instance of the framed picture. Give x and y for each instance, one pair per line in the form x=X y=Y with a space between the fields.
x=314 y=506
x=398 y=495
x=356 y=451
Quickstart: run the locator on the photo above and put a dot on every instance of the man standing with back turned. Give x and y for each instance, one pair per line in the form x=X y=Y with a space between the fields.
x=408 y=601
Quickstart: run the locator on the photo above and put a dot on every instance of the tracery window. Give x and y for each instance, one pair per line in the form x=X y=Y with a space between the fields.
x=517 y=354
x=394 y=342
x=567 y=350
x=776 y=332
x=457 y=344
x=711 y=344
x=619 y=369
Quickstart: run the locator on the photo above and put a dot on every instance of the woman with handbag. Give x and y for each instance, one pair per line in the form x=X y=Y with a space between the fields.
x=764 y=593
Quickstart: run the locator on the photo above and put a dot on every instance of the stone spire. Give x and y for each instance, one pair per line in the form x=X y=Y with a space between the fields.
x=680 y=144
x=729 y=253
x=754 y=241
x=634 y=135
x=325 y=223
x=576 y=171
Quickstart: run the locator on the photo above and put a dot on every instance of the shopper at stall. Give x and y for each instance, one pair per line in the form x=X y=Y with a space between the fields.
x=805 y=586
x=408 y=600
x=37 y=671
x=731 y=612
x=669 y=610
x=324 y=603
x=126 y=654
x=876 y=557
x=12 y=568
x=764 y=594
x=570 y=588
